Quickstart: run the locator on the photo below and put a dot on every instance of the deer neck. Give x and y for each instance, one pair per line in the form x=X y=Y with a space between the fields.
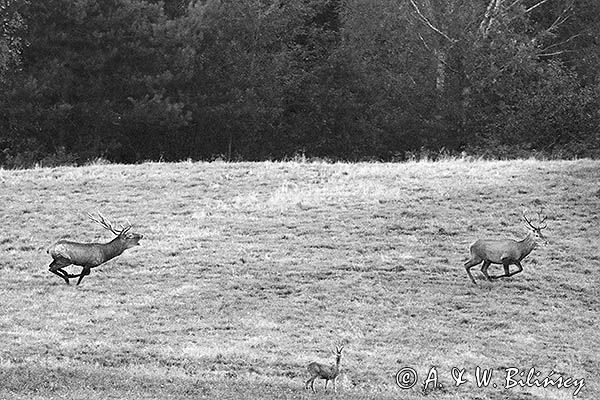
x=113 y=248
x=527 y=244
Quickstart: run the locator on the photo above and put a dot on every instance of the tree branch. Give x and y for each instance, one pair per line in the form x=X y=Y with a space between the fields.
x=432 y=51
x=561 y=43
x=561 y=18
x=514 y=3
x=533 y=7
x=430 y=25
x=556 y=53
x=488 y=18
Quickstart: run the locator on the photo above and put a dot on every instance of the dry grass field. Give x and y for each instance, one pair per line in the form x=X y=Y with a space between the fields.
x=249 y=271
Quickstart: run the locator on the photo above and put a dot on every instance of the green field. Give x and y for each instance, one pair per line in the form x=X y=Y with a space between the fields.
x=249 y=271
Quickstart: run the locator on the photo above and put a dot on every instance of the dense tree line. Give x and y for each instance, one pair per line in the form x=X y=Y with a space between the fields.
x=132 y=80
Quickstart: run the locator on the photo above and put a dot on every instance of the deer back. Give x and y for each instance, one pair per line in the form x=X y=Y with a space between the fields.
x=82 y=254
x=322 y=370
x=495 y=251
x=92 y=254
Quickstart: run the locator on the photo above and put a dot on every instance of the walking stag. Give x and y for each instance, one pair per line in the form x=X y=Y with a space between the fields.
x=327 y=372
x=90 y=255
x=506 y=251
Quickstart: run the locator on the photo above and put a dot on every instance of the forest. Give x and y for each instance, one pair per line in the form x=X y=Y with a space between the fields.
x=134 y=80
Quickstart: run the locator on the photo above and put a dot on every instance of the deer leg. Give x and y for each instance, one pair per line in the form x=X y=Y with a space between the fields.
x=309 y=381
x=85 y=271
x=67 y=274
x=506 y=266
x=61 y=275
x=484 y=269
x=326 y=382
x=470 y=264
x=334 y=389
x=56 y=267
x=518 y=264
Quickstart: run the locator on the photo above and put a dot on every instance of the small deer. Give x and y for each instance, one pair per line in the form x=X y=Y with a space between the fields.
x=90 y=255
x=327 y=372
x=505 y=252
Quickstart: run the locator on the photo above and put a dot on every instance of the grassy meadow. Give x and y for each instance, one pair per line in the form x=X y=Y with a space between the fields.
x=249 y=271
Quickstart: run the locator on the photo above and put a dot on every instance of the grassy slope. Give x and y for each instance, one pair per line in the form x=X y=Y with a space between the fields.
x=247 y=272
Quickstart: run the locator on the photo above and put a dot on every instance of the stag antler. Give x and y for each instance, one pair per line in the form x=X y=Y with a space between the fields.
x=542 y=218
x=107 y=225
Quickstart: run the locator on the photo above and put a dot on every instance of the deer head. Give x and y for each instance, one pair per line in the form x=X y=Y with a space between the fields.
x=536 y=231
x=129 y=239
x=338 y=351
